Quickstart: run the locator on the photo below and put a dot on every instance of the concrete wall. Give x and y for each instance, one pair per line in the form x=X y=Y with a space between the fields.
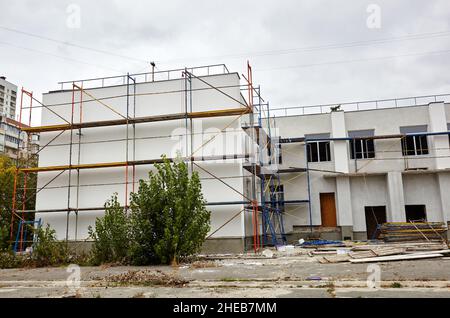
x=382 y=181
x=366 y=191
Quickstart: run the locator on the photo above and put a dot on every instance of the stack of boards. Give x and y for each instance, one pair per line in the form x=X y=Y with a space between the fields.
x=382 y=252
x=412 y=231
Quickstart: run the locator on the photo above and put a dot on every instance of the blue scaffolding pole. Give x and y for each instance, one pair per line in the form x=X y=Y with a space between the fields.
x=36 y=223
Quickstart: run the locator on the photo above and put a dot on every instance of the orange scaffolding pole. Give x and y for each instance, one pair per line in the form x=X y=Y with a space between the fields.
x=13 y=211
x=25 y=176
x=17 y=168
x=250 y=86
x=79 y=158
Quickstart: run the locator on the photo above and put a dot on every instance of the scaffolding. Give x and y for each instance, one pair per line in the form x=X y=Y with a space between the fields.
x=266 y=207
x=263 y=198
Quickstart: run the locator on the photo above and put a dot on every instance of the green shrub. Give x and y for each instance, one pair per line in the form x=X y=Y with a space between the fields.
x=8 y=259
x=111 y=234
x=168 y=215
x=168 y=220
x=4 y=237
x=48 y=251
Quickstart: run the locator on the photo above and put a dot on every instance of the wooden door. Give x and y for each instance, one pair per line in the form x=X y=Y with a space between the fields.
x=328 y=209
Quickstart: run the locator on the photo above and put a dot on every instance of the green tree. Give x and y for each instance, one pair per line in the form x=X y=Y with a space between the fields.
x=168 y=215
x=111 y=234
x=7 y=174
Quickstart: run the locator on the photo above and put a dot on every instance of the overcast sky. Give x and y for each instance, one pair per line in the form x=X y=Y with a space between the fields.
x=302 y=52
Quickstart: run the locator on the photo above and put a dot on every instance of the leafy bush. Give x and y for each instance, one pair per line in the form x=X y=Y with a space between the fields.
x=168 y=220
x=4 y=237
x=168 y=215
x=8 y=259
x=48 y=250
x=111 y=234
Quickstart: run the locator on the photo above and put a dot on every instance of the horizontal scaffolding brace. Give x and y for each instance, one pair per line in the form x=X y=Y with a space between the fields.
x=247 y=203
x=295 y=201
x=268 y=173
x=394 y=136
x=138 y=120
x=128 y=163
x=291 y=140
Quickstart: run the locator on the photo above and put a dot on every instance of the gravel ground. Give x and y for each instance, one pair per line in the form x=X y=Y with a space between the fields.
x=283 y=276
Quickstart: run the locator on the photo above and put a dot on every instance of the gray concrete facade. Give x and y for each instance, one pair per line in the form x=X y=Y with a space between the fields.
x=392 y=179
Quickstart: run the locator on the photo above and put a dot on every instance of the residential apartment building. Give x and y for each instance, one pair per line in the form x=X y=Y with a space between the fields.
x=8 y=98
x=13 y=142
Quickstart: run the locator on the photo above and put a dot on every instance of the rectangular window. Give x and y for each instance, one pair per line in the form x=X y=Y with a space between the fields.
x=416 y=213
x=319 y=151
x=316 y=150
x=362 y=148
x=416 y=145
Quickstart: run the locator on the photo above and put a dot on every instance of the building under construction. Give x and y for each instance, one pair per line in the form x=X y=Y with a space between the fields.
x=269 y=175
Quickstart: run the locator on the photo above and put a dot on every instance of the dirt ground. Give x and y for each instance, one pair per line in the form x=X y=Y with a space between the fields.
x=293 y=275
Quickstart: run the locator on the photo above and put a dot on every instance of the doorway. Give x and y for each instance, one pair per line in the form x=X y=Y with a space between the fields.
x=415 y=213
x=375 y=215
x=328 y=209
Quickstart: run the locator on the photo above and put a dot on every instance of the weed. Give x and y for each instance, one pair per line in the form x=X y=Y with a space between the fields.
x=396 y=285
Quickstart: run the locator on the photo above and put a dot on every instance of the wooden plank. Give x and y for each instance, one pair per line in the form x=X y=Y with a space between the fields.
x=431 y=252
x=335 y=259
x=395 y=258
x=125 y=163
x=388 y=251
x=146 y=119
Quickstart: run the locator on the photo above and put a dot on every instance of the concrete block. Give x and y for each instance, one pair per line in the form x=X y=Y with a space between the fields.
x=360 y=236
x=346 y=233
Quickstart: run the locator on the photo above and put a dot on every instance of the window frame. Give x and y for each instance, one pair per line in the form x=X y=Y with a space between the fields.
x=362 y=136
x=419 y=134
x=318 y=152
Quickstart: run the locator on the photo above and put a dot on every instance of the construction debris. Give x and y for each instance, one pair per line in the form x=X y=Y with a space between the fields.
x=145 y=278
x=412 y=231
x=267 y=253
x=410 y=247
x=384 y=252
x=317 y=243
x=203 y=264
x=394 y=258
